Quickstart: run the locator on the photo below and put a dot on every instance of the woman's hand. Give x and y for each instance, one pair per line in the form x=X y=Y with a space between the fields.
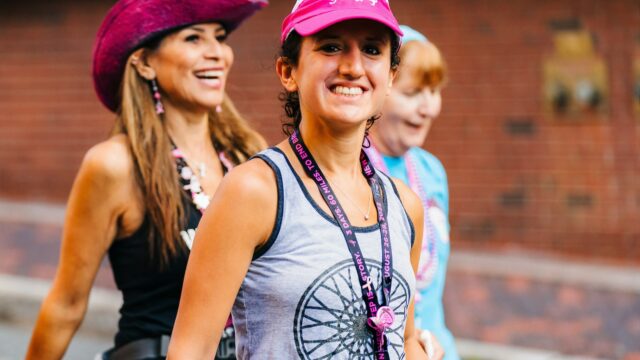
x=430 y=344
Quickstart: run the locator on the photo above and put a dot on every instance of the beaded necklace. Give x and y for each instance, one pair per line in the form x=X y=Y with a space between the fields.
x=190 y=181
x=429 y=259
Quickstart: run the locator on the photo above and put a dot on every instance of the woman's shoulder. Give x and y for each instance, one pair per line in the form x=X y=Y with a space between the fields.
x=425 y=156
x=409 y=199
x=428 y=161
x=254 y=176
x=250 y=192
x=407 y=196
x=110 y=159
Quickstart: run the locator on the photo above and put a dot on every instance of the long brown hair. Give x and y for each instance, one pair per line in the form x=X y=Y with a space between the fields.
x=155 y=168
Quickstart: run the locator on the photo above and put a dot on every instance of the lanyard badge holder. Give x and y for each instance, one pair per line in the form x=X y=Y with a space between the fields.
x=380 y=316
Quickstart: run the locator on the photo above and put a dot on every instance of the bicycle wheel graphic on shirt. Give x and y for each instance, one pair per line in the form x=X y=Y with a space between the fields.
x=331 y=317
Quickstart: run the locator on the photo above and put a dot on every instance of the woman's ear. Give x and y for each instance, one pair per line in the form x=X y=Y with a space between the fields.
x=139 y=61
x=392 y=77
x=285 y=73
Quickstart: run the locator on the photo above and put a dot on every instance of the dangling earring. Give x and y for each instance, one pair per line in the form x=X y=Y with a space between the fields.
x=366 y=142
x=156 y=97
x=219 y=109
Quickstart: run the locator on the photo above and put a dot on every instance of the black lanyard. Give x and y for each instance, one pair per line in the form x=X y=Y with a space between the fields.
x=380 y=315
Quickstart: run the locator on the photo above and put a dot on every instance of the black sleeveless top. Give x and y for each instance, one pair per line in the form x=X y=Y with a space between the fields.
x=151 y=296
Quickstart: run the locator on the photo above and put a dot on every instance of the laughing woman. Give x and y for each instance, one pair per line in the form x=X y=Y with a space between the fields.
x=311 y=248
x=161 y=66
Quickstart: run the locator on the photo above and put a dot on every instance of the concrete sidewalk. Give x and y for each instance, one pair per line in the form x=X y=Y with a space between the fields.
x=540 y=302
x=14 y=340
x=548 y=269
x=22 y=296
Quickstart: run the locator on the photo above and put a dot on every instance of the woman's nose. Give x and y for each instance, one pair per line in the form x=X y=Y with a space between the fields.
x=431 y=103
x=213 y=50
x=351 y=63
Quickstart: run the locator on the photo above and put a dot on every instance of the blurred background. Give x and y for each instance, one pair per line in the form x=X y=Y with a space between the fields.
x=540 y=136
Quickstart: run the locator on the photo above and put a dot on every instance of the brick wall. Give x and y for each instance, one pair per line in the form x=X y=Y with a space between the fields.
x=518 y=178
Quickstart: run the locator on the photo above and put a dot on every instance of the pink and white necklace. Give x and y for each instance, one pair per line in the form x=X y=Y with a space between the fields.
x=191 y=181
x=429 y=259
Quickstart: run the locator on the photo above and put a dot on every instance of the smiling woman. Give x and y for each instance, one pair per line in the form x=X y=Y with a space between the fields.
x=161 y=66
x=185 y=68
x=307 y=272
x=290 y=55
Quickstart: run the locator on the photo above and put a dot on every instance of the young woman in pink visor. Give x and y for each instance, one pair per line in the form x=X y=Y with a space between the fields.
x=311 y=248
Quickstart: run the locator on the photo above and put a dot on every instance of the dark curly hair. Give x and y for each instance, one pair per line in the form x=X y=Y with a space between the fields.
x=290 y=53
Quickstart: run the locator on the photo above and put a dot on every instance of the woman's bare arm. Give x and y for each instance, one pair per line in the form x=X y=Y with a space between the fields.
x=100 y=194
x=239 y=219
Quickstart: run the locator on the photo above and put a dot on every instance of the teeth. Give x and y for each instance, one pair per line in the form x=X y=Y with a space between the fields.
x=343 y=90
x=209 y=74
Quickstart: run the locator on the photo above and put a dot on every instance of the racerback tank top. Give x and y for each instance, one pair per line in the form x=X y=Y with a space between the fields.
x=301 y=298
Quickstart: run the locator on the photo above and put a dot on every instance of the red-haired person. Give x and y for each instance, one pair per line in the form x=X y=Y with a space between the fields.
x=409 y=112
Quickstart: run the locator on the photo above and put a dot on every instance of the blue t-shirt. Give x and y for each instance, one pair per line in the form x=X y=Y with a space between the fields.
x=432 y=270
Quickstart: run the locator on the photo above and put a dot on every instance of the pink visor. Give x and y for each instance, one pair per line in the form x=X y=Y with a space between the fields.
x=311 y=16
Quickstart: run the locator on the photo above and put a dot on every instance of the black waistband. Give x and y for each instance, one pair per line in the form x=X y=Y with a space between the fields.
x=149 y=348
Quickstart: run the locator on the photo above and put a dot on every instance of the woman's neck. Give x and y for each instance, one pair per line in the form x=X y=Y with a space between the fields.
x=188 y=130
x=383 y=147
x=337 y=151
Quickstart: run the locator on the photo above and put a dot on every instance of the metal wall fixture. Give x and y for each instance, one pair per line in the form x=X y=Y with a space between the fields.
x=575 y=78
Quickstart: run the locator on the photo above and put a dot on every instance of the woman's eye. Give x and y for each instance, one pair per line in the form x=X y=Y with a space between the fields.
x=192 y=38
x=372 y=50
x=221 y=37
x=330 y=48
x=412 y=92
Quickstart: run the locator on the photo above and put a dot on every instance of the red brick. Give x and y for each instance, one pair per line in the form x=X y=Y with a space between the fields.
x=51 y=116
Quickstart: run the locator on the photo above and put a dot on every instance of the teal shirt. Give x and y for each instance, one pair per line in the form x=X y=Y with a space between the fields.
x=431 y=274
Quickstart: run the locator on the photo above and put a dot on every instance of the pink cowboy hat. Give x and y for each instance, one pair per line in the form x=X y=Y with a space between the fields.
x=130 y=23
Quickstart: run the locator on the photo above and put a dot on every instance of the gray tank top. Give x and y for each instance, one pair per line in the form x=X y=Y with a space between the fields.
x=301 y=298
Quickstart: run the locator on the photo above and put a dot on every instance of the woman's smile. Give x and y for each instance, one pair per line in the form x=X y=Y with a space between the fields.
x=212 y=77
x=347 y=91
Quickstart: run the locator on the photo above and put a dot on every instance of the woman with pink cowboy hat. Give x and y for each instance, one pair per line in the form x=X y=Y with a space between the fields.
x=311 y=248
x=161 y=66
